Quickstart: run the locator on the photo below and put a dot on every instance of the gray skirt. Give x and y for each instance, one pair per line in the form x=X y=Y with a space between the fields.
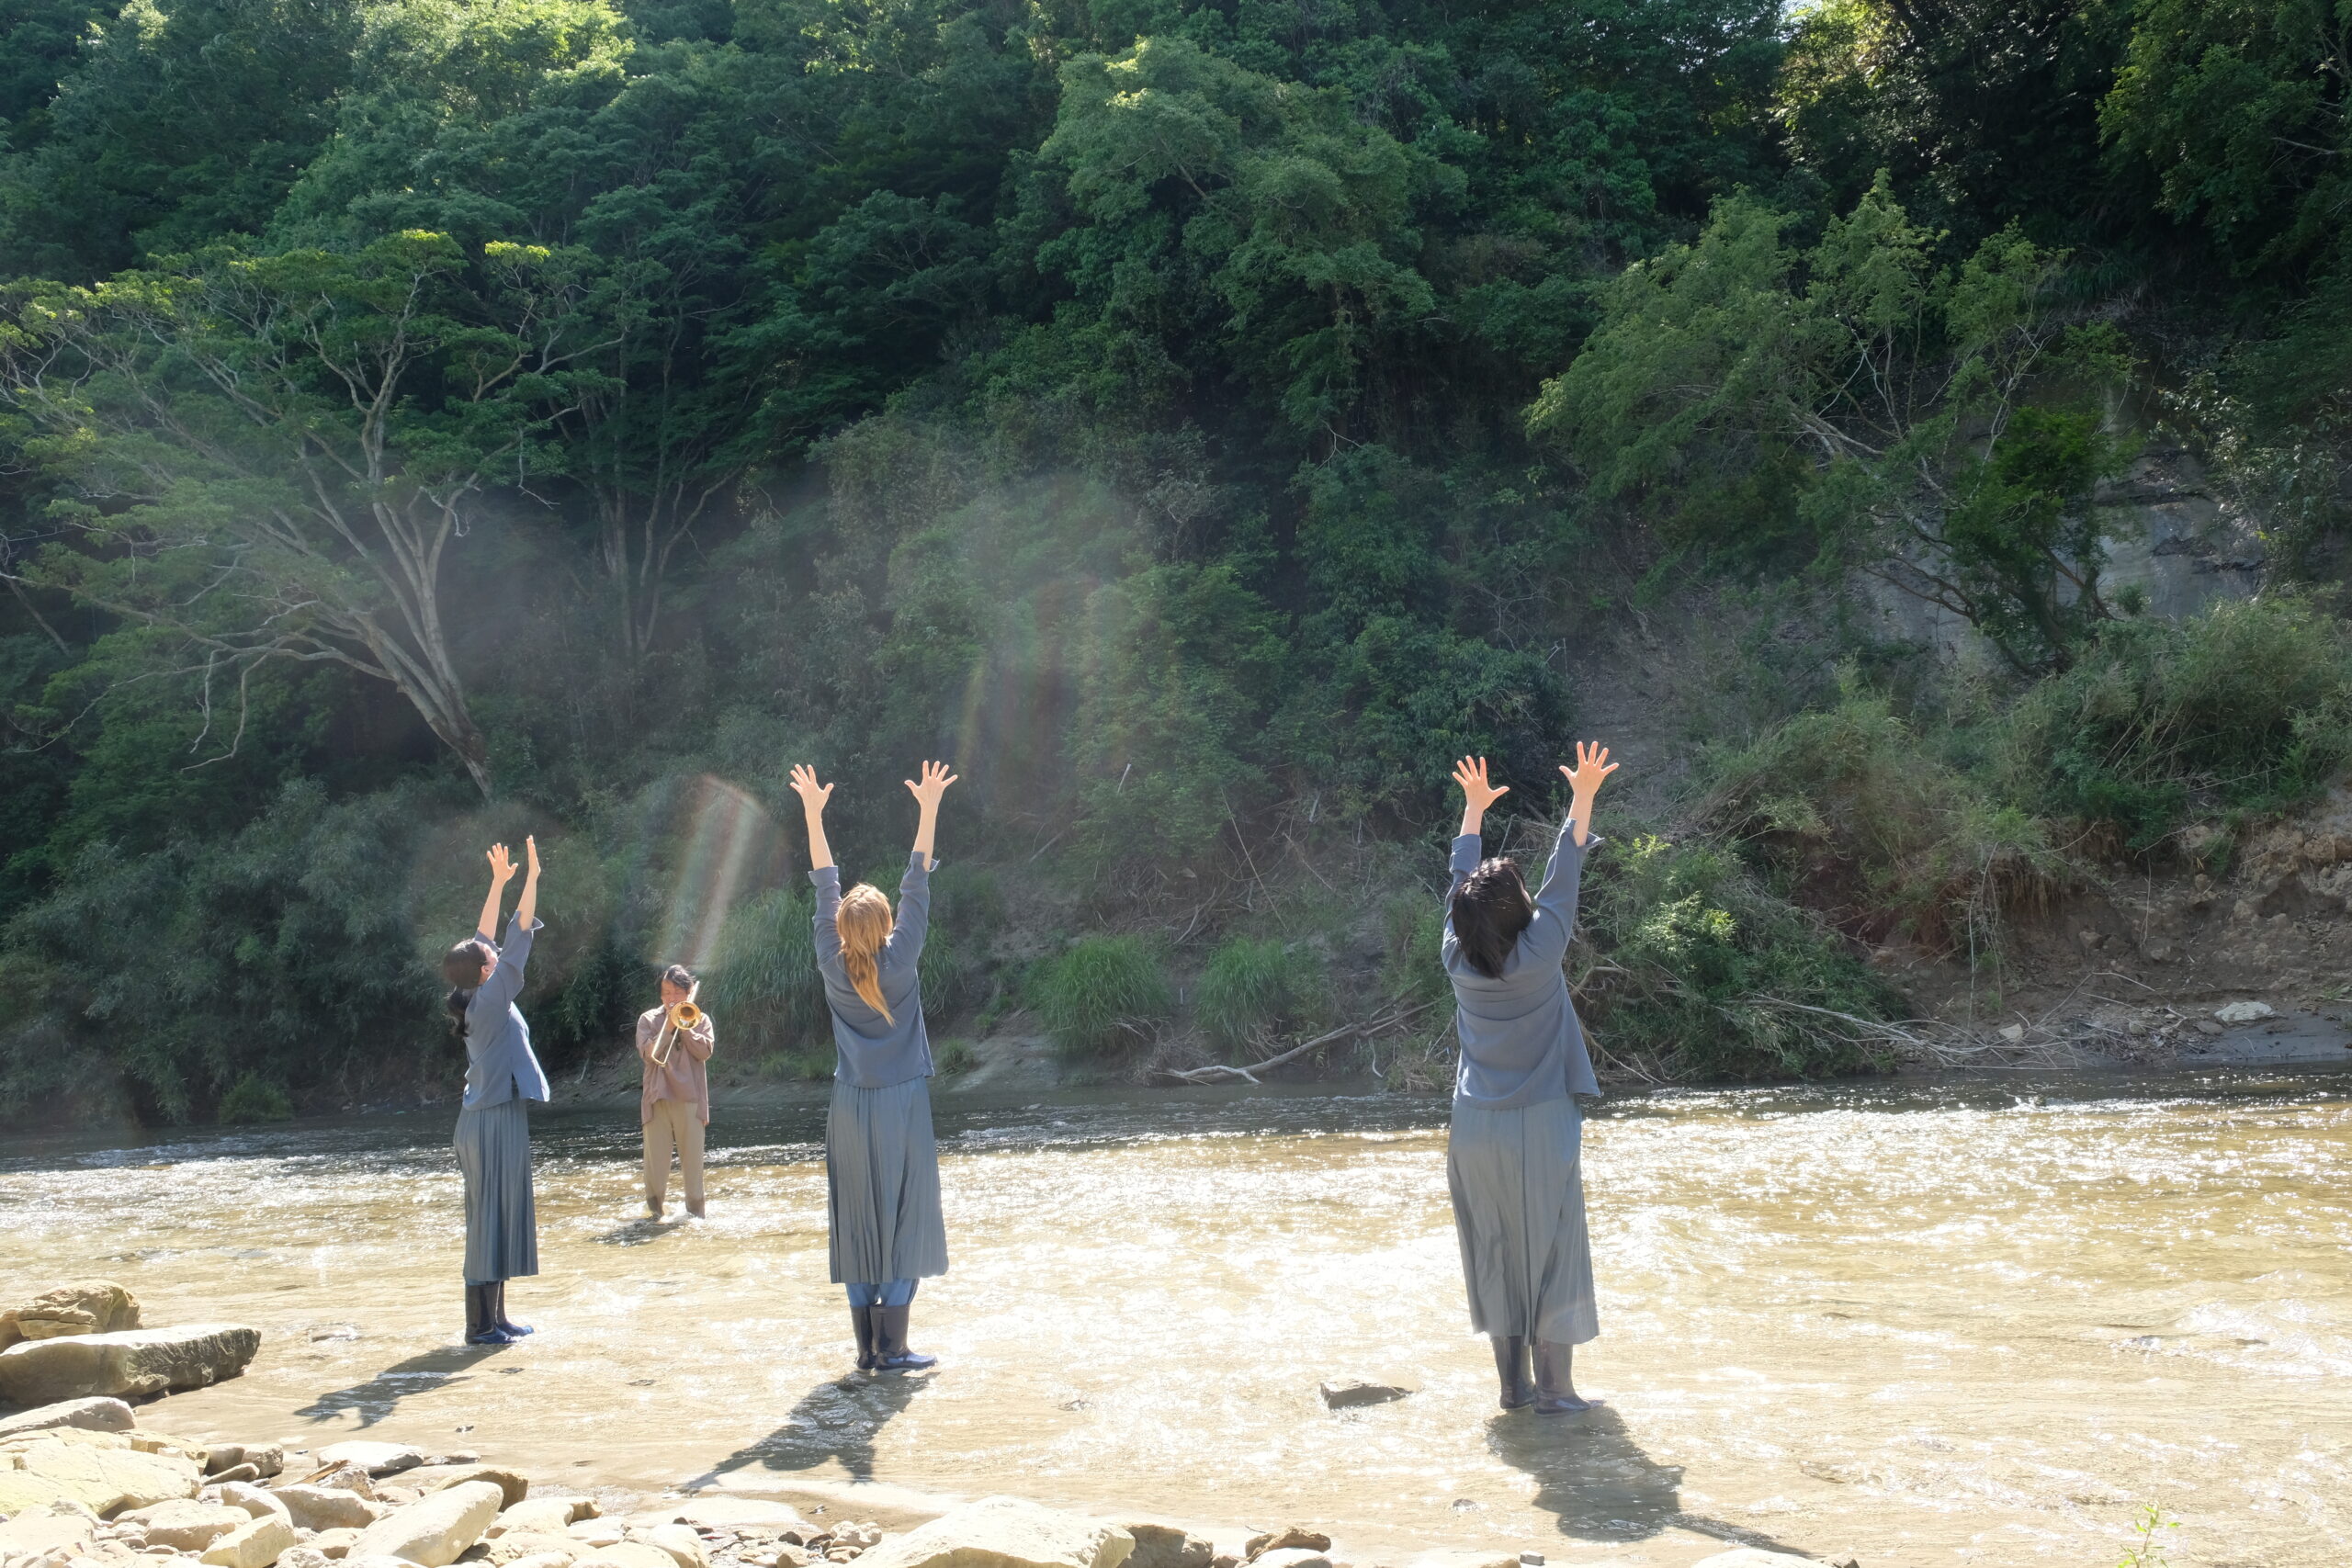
x=502 y=1224
x=882 y=1185
x=1519 y=1211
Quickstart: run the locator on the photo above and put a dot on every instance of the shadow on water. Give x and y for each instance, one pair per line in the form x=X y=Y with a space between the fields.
x=1595 y=1479
x=639 y=1231
x=836 y=1419
x=379 y=1395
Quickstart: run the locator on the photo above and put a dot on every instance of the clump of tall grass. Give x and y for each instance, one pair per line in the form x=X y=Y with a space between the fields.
x=1251 y=987
x=763 y=988
x=255 y=1098
x=1101 y=995
x=1412 y=969
x=2244 y=709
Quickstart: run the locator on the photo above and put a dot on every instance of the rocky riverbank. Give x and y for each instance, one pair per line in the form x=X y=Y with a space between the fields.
x=84 y=1483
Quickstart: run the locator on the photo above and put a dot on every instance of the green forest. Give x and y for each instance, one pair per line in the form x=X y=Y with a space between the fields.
x=429 y=421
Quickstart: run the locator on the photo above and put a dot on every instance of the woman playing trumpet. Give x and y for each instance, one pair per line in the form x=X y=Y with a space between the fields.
x=881 y=1163
x=674 y=1042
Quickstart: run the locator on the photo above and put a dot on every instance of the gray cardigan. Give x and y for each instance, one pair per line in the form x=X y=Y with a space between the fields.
x=1520 y=1042
x=500 y=1064
x=874 y=1052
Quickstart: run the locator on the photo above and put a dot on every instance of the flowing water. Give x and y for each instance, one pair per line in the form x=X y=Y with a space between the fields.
x=1923 y=1323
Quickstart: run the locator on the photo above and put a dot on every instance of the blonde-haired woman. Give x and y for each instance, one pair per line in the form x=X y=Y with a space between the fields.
x=881 y=1161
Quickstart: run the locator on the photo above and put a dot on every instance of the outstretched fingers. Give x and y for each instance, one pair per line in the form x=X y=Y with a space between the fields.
x=935 y=780
x=501 y=864
x=805 y=784
x=1470 y=772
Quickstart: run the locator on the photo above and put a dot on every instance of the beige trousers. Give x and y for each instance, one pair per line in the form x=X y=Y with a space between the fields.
x=674 y=1123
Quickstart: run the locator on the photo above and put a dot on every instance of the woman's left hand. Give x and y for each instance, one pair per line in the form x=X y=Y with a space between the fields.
x=935 y=780
x=1592 y=766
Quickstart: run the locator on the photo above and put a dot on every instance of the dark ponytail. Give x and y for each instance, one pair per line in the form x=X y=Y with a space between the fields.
x=1490 y=909
x=463 y=966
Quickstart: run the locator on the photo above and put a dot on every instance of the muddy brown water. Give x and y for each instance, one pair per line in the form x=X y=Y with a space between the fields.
x=1923 y=1323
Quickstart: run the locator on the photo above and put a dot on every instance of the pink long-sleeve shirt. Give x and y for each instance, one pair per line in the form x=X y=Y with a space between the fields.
x=682 y=1077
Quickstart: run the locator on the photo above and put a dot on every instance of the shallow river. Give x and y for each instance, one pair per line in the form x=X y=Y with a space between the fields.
x=1924 y=1324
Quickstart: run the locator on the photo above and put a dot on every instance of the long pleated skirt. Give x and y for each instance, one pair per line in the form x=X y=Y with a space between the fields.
x=882 y=1184
x=502 y=1224
x=1519 y=1211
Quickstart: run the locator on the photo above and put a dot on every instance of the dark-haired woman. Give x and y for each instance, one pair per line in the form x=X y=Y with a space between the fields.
x=1512 y=1156
x=493 y=1129
x=881 y=1161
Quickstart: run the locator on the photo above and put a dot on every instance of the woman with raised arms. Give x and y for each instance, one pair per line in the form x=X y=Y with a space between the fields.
x=1512 y=1158
x=493 y=1136
x=881 y=1162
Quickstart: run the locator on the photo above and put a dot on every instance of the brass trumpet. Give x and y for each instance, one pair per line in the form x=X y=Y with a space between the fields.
x=685 y=1018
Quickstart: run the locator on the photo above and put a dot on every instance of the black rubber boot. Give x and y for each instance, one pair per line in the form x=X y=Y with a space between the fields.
x=1556 y=1392
x=482 y=1317
x=498 y=1312
x=863 y=1319
x=890 y=1344
x=1511 y=1365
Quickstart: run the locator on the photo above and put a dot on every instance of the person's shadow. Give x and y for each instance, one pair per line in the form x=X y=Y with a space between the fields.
x=1595 y=1479
x=836 y=1419
x=381 y=1395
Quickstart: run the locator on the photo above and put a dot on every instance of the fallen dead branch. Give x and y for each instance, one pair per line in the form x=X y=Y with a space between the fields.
x=1216 y=1071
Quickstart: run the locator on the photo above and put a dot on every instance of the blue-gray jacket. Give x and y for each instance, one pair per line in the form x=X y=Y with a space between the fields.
x=500 y=1065
x=874 y=1052
x=1520 y=1042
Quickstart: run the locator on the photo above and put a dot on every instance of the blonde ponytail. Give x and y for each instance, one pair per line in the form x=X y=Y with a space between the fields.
x=862 y=923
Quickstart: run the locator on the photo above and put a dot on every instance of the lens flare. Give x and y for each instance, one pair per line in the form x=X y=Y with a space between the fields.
x=730 y=850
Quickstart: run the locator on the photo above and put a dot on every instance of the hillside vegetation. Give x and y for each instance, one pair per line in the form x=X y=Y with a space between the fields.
x=429 y=421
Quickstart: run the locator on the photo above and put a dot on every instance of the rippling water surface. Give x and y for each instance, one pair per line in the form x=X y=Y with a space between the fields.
x=1925 y=1323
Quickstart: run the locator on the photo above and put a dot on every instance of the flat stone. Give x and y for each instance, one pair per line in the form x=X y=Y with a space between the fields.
x=48 y=1527
x=259 y=1501
x=267 y=1458
x=685 y=1547
x=2244 y=1013
x=343 y=1478
x=433 y=1531
x=1290 y=1538
x=183 y=1524
x=728 y=1513
x=134 y=1363
x=514 y=1546
x=1161 y=1545
x=539 y=1516
x=327 y=1508
x=596 y=1533
x=257 y=1544
x=375 y=1458
x=334 y=1543
x=627 y=1554
x=86 y=1306
x=94 y=1414
x=1005 y=1532
x=512 y=1484
x=51 y=1468
x=1345 y=1394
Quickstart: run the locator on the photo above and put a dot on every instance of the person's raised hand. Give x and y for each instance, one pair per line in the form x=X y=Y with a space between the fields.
x=1471 y=774
x=501 y=864
x=804 y=784
x=1592 y=766
x=531 y=855
x=935 y=780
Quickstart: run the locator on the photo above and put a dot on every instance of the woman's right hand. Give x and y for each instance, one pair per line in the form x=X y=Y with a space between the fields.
x=501 y=865
x=804 y=784
x=935 y=780
x=1477 y=792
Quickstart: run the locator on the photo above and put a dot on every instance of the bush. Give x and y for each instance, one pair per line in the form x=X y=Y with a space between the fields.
x=1865 y=825
x=1251 y=988
x=1101 y=995
x=1413 y=967
x=763 y=989
x=954 y=1056
x=255 y=1098
x=2245 y=708
x=1688 y=964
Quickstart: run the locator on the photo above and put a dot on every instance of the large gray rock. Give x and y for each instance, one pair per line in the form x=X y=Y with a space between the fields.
x=1005 y=1532
x=685 y=1547
x=133 y=1363
x=95 y=1415
x=433 y=1530
x=375 y=1458
x=86 y=1306
x=327 y=1508
x=258 y=1500
x=512 y=1484
x=267 y=1458
x=100 y=1470
x=1161 y=1545
x=183 y=1524
x=257 y=1544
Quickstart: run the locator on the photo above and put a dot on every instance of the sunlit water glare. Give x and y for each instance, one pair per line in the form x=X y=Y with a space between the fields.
x=1926 y=1324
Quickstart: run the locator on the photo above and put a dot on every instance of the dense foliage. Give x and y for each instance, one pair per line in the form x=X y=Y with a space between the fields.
x=1201 y=418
